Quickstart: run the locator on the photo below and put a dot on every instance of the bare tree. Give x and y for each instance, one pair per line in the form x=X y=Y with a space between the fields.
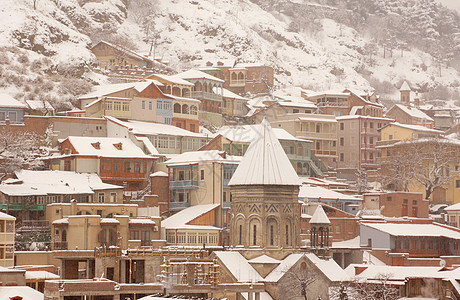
x=297 y=283
x=20 y=150
x=359 y=289
x=425 y=161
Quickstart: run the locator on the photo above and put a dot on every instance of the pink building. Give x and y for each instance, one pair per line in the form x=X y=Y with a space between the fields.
x=356 y=139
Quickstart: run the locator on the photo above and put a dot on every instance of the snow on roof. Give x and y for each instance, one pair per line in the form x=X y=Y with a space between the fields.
x=319 y=216
x=265 y=162
x=185 y=99
x=408 y=229
x=195 y=74
x=329 y=268
x=316 y=192
x=84 y=145
x=104 y=90
x=451 y=207
x=26 y=292
x=183 y=217
x=413 y=112
x=265 y=259
x=405 y=87
x=250 y=133
x=63 y=221
x=283 y=267
x=323 y=181
x=173 y=79
x=359 y=95
x=202 y=156
x=398 y=272
x=4 y=216
x=229 y=94
x=40 y=275
x=350 y=117
x=148 y=145
x=41 y=183
x=238 y=266
x=262 y=296
x=8 y=101
x=414 y=127
x=147 y=128
x=304 y=104
x=142 y=221
x=159 y=173
x=109 y=221
x=39 y=105
x=326 y=93
x=352 y=243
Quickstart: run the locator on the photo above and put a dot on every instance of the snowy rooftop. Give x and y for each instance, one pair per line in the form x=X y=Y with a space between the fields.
x=4 y=216
x=202 y=156
x=173 y=79
x=452 y=207
x=196 y=74
x=264 y=259
x=229 y=94
x=413 y=112
x=405 y=87
x=329 y=267
x=39 y=105
x=55 y=182
x=304 y=103
x=8 y=101
x=318 y=118
x=397 y=272
x=319 y=217
x=414 y=230
x=414 y=127
x=104 y=90
x=159 y=173
x=316 y=192
x=311 y=94
x=265 y=162
x=85 y=146
x=238 y=266
x=40 y=275
x=26 y=292
x=323 y=182
x=147 y=128
x=181 y=219
x=250 y=133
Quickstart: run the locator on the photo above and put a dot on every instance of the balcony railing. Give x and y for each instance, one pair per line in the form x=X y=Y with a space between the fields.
x=60 y=245
x=183 y=184
x=324 y=152
x=121 y=175
x=234 y=83
x=317 y=135
x=206 y=96
x=178 y=205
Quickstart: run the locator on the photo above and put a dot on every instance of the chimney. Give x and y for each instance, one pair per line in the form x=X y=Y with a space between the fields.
x=417 y=100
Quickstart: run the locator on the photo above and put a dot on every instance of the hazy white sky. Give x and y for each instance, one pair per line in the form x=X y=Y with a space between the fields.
x=455 y=4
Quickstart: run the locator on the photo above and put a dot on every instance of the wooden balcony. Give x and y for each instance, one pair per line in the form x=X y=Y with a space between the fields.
x=316 y=135
x=122 y=176
x=206 y=96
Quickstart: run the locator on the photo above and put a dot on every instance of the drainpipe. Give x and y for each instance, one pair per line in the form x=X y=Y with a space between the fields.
x=213 y=184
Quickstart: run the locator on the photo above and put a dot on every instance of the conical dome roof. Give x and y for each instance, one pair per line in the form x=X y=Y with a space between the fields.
x=405 y=87
x=265 y=162
x=319 y=217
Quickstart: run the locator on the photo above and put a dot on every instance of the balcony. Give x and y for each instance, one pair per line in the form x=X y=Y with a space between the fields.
x=125 y=176
x=324 y=153
x=184 y=184
x=316 y=135
x=178 y=205
x=60 y=245
x=237 y=83
x=206 y=96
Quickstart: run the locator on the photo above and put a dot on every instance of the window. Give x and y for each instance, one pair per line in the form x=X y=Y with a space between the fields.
x=389 y=199
x=100 y=197
x=342 y=156
x=57 y=211
x=272 y=240
x=117 y=105
x=342 y=141
x=457 y=183
x=150 y=105
x=371 y=125
x=342 y=126
x=390 y=137
x=318 y=128
x=287 y=234
x=414 y=202
x=143 y=104
x=371 y=140
x=254 y=237
x=67 y=165
x=12 y=116
x=125 y=106
x=241 y=234
x=2 y=116
x=134 y=235
x=295 y=111
x=108 y=105
x=113 y=197
x=201 y=174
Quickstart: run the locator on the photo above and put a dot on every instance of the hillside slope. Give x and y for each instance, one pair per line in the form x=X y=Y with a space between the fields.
x=42 y=49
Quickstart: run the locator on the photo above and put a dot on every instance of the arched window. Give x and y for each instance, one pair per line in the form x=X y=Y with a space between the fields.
x=198 y=86
x=205 y=87
x=185 y=92
x=240 y=76
x=254 y=235
x=234 y=76
x=64 y=236
x=168 y=90
x=185 y=109
x=107 y=237
x=287 y=235
x=177 y=108
x=176 y=91
x=272 y=235
x=193 y=110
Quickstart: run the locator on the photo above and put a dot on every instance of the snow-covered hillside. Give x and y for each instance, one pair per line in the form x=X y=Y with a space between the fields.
x=51 y=41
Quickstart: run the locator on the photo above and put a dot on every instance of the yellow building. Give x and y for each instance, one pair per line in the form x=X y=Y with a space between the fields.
x=404 y=132
x=7 y=225
x=86 y=232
